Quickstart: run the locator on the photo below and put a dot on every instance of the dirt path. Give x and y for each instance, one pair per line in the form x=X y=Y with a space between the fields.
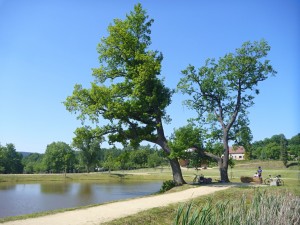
x=111 y=211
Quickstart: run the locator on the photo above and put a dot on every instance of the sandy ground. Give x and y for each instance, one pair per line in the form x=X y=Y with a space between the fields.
x=107 y=212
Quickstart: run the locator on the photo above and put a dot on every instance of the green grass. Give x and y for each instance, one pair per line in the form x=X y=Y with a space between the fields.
x=105 y=177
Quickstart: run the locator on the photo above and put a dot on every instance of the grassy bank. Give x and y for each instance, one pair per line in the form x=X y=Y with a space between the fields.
x=104 y=177
x=167 y=215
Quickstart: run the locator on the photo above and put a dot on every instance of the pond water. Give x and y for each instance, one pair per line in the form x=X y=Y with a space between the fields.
x=17 y=199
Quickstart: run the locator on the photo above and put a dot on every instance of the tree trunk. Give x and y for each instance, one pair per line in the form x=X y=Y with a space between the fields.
x=224 y=174
x=176 y=170
x=225 y=159
x=223 y=167
x=162 y=142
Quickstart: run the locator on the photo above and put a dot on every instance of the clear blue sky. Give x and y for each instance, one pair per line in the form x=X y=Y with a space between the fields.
x=47 y=46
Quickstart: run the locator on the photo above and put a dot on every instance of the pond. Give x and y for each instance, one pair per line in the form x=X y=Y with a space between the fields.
x=18 y=199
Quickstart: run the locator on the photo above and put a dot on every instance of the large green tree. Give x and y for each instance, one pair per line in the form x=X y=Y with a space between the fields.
x=88 y=143
x=294 y=147
x=10 y=159
x=127 y=91
x=221 y=92
x=59 y=157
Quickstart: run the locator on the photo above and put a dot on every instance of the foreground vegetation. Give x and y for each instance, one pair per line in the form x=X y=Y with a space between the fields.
x=263 y=207
x=229 y=202
x=241 y=205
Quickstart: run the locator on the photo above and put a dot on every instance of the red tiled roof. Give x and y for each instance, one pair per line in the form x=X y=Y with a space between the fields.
x=237 y=150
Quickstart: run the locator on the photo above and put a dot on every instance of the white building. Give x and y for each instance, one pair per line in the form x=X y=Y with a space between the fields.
x=237 y=152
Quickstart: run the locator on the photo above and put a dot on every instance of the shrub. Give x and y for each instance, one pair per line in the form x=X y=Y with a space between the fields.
x=246 y=179
x=167 y=185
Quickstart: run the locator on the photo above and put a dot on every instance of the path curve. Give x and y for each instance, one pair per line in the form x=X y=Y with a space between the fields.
x=110 y=211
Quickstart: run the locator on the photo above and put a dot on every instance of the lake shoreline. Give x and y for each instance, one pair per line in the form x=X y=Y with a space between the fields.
x=37 y=197
x=115 y=210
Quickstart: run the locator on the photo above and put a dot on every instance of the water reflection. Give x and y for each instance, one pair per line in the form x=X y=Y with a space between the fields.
x=17 y=199
x=6 y=186
x=58 y=188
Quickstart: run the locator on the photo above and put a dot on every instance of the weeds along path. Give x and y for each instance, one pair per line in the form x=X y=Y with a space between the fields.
x=107 y=212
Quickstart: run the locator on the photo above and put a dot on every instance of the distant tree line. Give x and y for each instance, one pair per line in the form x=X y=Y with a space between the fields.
x=277 y=147
x=60 y=157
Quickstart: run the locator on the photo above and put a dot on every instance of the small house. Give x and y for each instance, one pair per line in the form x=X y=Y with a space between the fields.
x=237 y=152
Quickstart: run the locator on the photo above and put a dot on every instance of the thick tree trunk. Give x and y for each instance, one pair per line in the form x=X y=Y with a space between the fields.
x=163 y=143
x=224 y=173
x=176 y=170
x=224 y=167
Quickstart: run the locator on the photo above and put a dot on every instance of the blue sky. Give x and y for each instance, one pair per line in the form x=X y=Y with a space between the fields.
x=48 y=46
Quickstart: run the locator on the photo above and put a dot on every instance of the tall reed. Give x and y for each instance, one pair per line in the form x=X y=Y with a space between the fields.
x=260 y=209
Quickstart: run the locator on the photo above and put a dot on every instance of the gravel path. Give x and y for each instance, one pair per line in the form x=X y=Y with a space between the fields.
x=107 y=212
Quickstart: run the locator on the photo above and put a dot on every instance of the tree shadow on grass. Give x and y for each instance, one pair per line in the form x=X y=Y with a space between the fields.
x=292 y=164
x=120 y=175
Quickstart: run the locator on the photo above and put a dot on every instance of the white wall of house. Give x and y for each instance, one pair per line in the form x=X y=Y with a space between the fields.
x=237 y=156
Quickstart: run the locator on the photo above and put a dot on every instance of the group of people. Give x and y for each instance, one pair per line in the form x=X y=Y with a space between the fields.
x=258 y=173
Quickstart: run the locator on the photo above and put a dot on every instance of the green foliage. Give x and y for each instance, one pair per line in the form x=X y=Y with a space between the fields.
x=216 y=148
x=59 y=157
x=294 y=147
x=263 y=208
x=184 y=138
x=126 y=92
x=10 y=160
x=33 y=163
x=129 y=158
x=167 y=185
x=283 y=153
x=276 y=147
x=222 y=91
x=231 y=162
x=155 y=160
x=88 y=143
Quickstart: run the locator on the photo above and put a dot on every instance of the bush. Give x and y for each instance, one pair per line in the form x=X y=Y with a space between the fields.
x=246 y=179
x=167 y=185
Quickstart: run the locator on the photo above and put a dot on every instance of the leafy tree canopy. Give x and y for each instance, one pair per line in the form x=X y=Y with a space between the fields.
x=88 y=143
x=184 y=138
x=10 y=159
x=222 y=91
x=59 y=157
x=126 y=91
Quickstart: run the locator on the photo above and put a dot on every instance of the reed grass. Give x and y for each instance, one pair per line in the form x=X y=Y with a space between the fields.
x=262 y=208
